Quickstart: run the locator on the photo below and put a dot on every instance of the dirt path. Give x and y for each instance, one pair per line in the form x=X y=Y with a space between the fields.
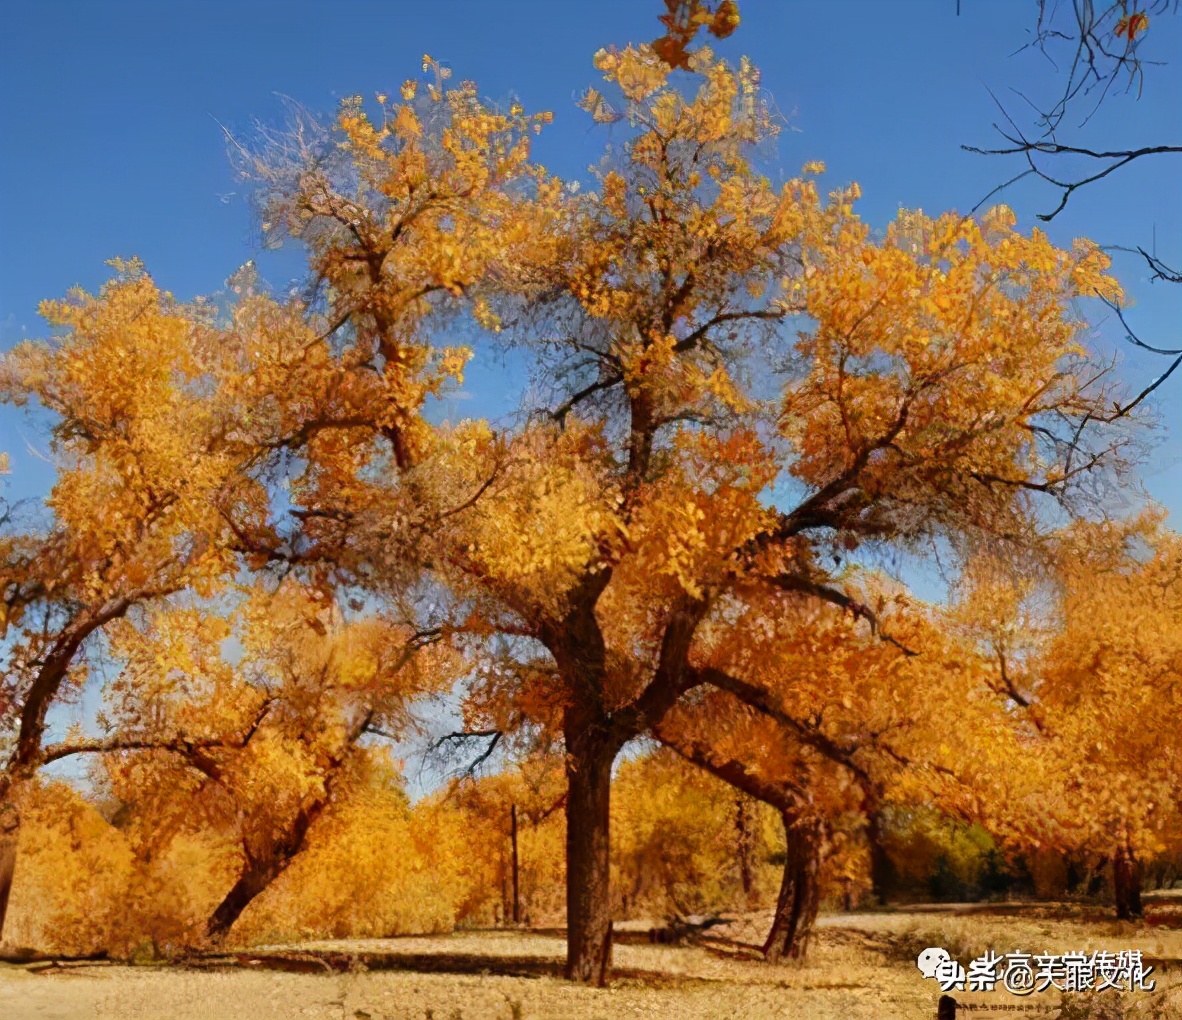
x=862 y=968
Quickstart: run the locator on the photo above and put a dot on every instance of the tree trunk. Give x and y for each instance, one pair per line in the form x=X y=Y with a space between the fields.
x=10 y=830
x=1126 y=884
x=588 y=858
x=516 y=870
x=880 y=861
x=262 y=869
x=745 y=839
x=256 y=878
x=796 y=906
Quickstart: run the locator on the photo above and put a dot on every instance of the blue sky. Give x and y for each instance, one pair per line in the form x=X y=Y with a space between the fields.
x=113 y=112
x=111 y=115
x=110 y=112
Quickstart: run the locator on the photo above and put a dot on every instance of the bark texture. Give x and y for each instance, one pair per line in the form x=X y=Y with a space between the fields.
x=588 y=860
x=796 y=905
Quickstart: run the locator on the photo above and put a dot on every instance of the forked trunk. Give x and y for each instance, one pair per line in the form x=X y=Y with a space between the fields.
x=10 y=830
x=1126 y=884
x=796 y=906
x=588 y=860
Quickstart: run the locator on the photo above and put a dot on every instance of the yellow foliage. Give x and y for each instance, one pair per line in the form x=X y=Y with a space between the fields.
x=368 y=870
x=74 y=873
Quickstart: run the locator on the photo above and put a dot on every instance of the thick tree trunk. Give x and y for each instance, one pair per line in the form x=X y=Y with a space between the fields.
x=263 y=868
x=796 y=906
x=588 y=859
x=10 y=830
x=1126 y=884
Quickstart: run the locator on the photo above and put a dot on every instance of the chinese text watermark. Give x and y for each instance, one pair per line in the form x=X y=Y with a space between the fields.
x=1023 y=973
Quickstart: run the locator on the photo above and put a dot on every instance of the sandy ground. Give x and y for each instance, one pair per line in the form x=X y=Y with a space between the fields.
x=860 y=968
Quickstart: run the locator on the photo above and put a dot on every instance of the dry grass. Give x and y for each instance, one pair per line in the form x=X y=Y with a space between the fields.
x=861 y=967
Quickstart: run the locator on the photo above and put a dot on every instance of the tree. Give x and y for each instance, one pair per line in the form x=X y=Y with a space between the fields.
x=833 y=724
x=511 y=839
x=174 y=427
x=937 y=389
x=1087 y=658
x=148 y=465
x=791 y=792
x=311 y=684
x=636 y=509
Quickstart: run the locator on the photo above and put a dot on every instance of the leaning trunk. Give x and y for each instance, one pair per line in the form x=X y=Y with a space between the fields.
x=263 y=868
x=588 y=860
x=1126 y=883
x=10 y=829
x=796 y=906
x=256 y=878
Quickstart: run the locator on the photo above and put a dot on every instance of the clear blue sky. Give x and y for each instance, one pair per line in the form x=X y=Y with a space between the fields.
x=110 y=112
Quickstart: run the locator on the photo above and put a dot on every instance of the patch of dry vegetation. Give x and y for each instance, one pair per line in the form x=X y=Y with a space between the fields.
x=861 y=968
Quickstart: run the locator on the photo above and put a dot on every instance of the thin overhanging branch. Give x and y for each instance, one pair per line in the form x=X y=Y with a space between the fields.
x=769 y=704
x=1116 y=159
x=449 y=743
x=859 y=610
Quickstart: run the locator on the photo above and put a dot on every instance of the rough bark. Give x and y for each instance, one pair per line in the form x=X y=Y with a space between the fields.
x=258 y=875
x=796 y=905
x=593 y=734
x=588 y=859
x=1126 y=884
x=263 y=868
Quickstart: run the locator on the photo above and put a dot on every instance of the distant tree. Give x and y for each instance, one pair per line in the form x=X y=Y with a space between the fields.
x=311 y=685
x=1086 y=658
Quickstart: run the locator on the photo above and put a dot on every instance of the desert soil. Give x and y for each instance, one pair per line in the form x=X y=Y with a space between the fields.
x=861 y=967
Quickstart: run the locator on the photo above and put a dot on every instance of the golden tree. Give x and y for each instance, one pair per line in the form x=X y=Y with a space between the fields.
x=693 y=455
x=928 y=393
x=147 y=465
x=310 y=685
x=173 y=426
x=1086 y=658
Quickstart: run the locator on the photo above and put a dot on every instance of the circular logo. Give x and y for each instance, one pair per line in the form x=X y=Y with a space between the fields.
x=1019 y=977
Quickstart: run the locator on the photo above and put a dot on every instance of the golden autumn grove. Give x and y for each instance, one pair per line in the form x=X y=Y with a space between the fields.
x=663 y=596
